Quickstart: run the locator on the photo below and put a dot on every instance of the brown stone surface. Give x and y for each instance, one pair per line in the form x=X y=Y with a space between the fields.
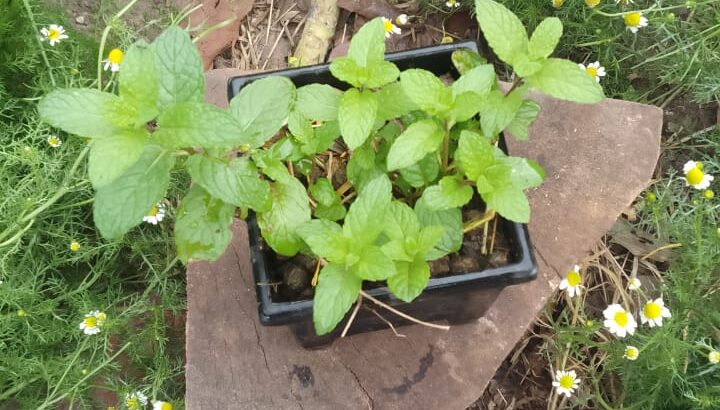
x=598 y=159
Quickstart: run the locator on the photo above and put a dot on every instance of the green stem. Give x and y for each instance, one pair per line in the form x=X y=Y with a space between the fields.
x=103 y=40
x=17 y=388
x=17 y=235
x=39 y=40
x=446 y=148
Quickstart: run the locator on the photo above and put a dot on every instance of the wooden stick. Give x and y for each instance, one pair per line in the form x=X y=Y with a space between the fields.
x=401 y=314
x=387 y=322
x=475 y=223
x=352 y=316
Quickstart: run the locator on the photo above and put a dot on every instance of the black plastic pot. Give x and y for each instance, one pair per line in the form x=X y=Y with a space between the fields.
x=457 y=299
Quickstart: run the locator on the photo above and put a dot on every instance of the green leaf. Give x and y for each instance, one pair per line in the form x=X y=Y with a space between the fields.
x=510 y=202
x=334 y=212
x=179 y=68
x=525 y=173
x=111 y=157
x=336 y=291
x=502 y=29
x=519 y=127
x=262 y=108
x=426 y=91
x=300 y=127
x=474 y=154
x=198 y=125
x=418 y=140
x=362 y=220
x=400 y=222
x=429 y=237
x=367 y=46
x=479 y=80
x=290 y=209
x=449 y=193
x=525 y=67
x=498 y=111
x=81 y=111
x=324 y=138
x=318 y=102
x=545 y=38
x=466 y=106
x=451 y=220
x=325 y=239
x=236 y=182
x=356 y=114
x=323 y=192
x=381 y=73
x=564 y=80
x=423 y=172
x=202 y=229
x=347 y=70
x=395 y=103
x=122 y=204
x=373 y=264
x=410 y=279
x=465 y=60
x=139 y=83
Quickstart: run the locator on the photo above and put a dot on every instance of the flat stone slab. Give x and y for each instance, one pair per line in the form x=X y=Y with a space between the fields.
x=598 y=158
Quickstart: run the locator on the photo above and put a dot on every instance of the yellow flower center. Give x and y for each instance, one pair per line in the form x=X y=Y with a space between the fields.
x=714 y=357
x=90 y=322
x=574 y=278
x=632 y=19
x=74 y=246
x=621 y=318
x=632 y=353
x=566 y=381
x=166 y=406
x=388 y=26
x=592 y=3
x=708 y=194
x=452 y=2
x=101 y=317
x=153 y=211
x=558 y=3
x=592 y=71
x=53 y=34
x=652 y=310
x=116 y=56
x=695 y=176
x=132 y=403
x=53 y=141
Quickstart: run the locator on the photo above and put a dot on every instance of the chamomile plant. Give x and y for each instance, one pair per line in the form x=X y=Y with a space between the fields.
x=417 y=152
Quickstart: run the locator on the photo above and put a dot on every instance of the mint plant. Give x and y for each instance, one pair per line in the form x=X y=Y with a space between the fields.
x=416 y=152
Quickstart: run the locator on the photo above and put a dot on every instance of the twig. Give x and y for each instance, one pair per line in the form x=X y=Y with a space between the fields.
x=352 y=316
x=662 y=248
x=387 y=322
x=267 y=33
x=492 y=240
x=475 y=223
x=272 y=50
x=349 y=197
x=329 y=166
x=314 y=280
x=344 y=187
x=401 y=314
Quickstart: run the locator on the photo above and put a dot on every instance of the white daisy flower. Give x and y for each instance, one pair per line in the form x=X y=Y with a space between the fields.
x=390 y=28
x=653 y=312
x=635 y=21
x=714 y=357
x=93 y=322
x=452 y=4
x=618 y=321
x=695 y=176
x=634 y=283
x=594 y=70
x=566 y=382
x=161 y=405
x=54 y=141
x=624 y=1
x=402 y=20
x=631 y=353
x=572 y=282
x=114 y=59
x=156 y=214
x=135 y=400
x=53 y=34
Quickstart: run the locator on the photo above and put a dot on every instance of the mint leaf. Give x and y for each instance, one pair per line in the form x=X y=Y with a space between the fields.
x=325 y=239
x=426 y=91
x=465 y=60
x=334 y=212
x=381 y=73
x=236 y=182
x=373 y=264
x=465 y=106
x=361 y=222
x=323 y=192
x=198 y=125
x=510 y=202
x=262 y=108
x=179 y=68
x=324 y=138
x=474 y=154
x=367 y=46
x=202 y=229
x=111 y=157
x=300 y=127
x=449 y=193
x=410 y=279
x=290 y=209
x=400 y=222
x=81 y=111
x=497 y=111
x=519 y=127
x=545 y=38
x=139 y=81
x=525 y=173
x=122 y=204
x=525 y=67
x=356 y=114
x=418 y=140
x=479 y=80
x=347 y=70
x=451 y=220
x=336 y=291
x=423 y=172
x=564 y=80
x=502 y=29
x=429 y=237
x=395 y=103
x=318 y=102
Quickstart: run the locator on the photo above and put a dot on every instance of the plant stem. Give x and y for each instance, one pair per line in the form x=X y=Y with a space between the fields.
x=446 y=148
x=475 y=223
x=401 y=314
x=352 y=316
x=39 y=40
